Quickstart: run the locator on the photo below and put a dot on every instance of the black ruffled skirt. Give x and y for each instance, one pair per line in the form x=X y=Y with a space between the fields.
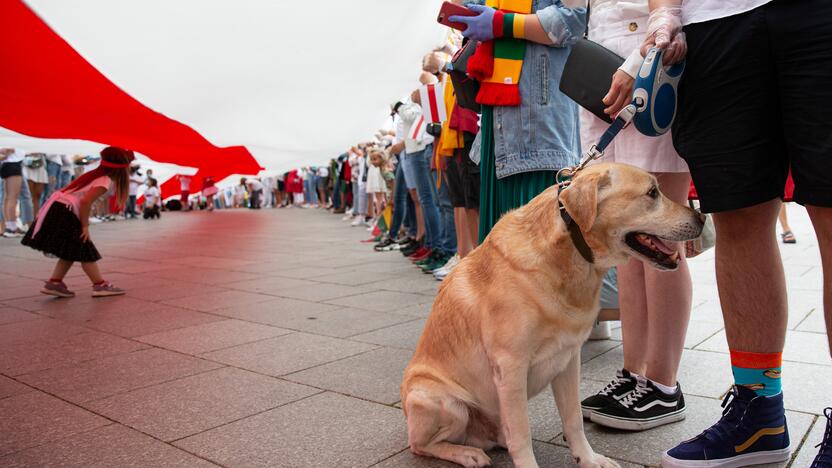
x=60 y=236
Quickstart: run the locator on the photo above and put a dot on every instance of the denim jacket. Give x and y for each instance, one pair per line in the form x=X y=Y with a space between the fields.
x=542 y=133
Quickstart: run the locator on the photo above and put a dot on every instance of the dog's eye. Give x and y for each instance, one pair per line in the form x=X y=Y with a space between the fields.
x=653 y=193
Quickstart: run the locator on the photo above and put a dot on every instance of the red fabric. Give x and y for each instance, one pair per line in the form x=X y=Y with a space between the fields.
x=481 y=64
x=497 y=24
x=499 y=94
x=464 y=120
x=74 y=100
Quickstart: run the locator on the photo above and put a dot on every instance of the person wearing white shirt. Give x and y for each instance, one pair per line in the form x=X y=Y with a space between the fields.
x=752 y=105
x=255 y=189
x=133 y=191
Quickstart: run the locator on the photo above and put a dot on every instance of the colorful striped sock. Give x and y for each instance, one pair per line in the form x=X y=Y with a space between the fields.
x=757 y=371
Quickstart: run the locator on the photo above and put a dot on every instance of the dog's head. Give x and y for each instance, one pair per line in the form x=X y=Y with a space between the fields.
x=622 y=213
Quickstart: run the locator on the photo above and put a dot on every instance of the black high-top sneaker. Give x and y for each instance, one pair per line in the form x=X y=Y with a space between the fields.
x=618 y=388
x=645 y=407
x=824 y=458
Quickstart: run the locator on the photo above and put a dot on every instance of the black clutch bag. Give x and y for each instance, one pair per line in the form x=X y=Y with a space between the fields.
x=587 y=76
x=465 y=87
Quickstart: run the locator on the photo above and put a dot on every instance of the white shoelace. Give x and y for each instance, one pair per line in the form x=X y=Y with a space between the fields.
x=633 y=397
x=618 y=381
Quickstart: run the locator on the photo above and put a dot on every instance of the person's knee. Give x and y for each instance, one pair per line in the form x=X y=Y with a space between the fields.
x=751 y=222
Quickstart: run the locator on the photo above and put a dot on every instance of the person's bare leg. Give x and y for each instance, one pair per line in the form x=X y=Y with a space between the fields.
x=784 y=218
x=632 y=302
x=463 y=240
x=61 y=269
x=750 y=278
x=669 y=295
x=92 y=271
x=822 y=221
x=473 y=226
x=420 y=220
x=36 y=190
x=11 y=194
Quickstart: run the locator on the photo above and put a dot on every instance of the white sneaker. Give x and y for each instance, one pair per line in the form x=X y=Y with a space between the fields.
x=347 y=217
x=358 y=221
x=94 y=220
x=601 y=331
x=441 y=273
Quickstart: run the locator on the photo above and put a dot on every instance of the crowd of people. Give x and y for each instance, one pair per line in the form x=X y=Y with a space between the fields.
x=432 y=189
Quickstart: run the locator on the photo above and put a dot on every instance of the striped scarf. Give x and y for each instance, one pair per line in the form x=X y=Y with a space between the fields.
x=497 y=64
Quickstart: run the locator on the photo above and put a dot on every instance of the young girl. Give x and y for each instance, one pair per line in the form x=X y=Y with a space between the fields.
x=376 y=183
x=62 y=227
x=152 y=200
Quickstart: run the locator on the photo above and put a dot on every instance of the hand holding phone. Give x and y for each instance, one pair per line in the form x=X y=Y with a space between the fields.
x=452 y=9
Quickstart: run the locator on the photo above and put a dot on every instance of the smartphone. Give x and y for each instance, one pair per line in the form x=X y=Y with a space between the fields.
x=452 y=9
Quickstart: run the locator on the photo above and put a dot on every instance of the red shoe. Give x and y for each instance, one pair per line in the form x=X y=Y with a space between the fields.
x=420 y=254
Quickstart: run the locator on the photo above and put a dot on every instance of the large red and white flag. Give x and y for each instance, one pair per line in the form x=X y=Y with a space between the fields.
x=220 y=87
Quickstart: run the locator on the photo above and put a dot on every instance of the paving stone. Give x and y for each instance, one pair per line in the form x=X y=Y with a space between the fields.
x=814 y=322
x=12 y=315
x=382 y=301
x=416 y=310
x=9 y=387
x=404 y=335
x=273 y=312
x=806 y=387
x=137 y=320
x=546 y=455
x=808 y=450
x=23 y=357
x=212 y=336
x=35 y=330
x=695 y=364
x=375 y=376
x=210 y=301
x=205 y=276
x=95 y=448
x=800 y=347
x=353 y=278
x=268 y=284
x=592 y=349
x=647 y=447
x=183 y=407
x=288 y=353
x=34 y=418
x=104 y=377
x=321 y=292
x=325 y=430
x=409 y=283
x=697 y=333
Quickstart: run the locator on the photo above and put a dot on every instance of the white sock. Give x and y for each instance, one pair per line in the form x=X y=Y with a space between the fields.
x=664 y=388
x=11 y=225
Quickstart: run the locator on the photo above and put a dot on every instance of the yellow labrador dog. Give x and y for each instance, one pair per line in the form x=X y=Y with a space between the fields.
x=512 y=316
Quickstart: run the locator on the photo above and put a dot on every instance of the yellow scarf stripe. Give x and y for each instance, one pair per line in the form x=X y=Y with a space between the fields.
x=519 y=26
x=514 y=6
x=506 y=71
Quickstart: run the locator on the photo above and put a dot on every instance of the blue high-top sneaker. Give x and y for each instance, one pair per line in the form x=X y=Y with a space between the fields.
x=752 y=431
x=824 y=458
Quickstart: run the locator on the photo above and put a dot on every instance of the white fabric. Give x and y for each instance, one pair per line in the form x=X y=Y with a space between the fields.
x=36 y=175
x=54 y=158
x=609 y=26
x=16 y=156
x=254 y=184
x=699 y=11
x=135 y=181
x=266 y=75
x=184 y=183
x=151 y=197
x=375 y=181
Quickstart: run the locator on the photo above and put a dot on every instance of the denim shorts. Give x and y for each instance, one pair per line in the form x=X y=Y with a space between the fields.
x=609 y=290
x=407 y=167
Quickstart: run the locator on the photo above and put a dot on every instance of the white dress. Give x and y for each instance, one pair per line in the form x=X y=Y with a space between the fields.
x=620 y=26
x=375 y=181
x=39 y=175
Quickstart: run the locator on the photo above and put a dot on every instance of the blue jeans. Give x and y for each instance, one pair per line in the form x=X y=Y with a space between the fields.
x=54 y=172
x=403 y=207
x=65 y=179
x=336 y=195
x=25 y=200
x=426 y=189
x=309 y=193
x=447 y=240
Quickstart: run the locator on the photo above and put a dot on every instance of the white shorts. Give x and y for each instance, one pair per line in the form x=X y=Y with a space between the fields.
x=653 y=154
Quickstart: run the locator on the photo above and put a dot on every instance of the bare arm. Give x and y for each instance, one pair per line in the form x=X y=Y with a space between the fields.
x=84 y=214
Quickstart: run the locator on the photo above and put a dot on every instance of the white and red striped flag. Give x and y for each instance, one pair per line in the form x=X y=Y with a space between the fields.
x=432 y=98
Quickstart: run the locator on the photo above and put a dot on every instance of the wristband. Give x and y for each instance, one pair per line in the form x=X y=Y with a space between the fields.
x=509 y=25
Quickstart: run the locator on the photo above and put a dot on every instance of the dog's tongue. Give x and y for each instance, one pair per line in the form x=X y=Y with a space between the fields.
x=664 y=248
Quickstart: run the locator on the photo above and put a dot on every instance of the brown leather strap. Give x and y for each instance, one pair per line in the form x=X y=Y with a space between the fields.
x=576 y=235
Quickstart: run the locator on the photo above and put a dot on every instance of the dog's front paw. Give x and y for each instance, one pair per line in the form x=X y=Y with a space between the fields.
x=597 y=461
x=472 y=457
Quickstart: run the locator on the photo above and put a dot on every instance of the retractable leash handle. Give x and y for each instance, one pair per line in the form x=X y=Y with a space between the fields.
x=656 y=86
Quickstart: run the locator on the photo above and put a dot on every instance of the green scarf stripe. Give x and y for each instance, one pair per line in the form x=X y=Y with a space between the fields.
x=508 y=25
x=512 y=49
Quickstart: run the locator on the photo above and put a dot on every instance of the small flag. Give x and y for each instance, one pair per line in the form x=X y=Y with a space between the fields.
x=433 y=104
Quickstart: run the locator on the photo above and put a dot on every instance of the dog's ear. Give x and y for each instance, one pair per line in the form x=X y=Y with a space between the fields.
x=580 y=199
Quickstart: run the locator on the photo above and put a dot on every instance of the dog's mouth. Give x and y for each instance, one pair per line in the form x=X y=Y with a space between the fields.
x=653 y=249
